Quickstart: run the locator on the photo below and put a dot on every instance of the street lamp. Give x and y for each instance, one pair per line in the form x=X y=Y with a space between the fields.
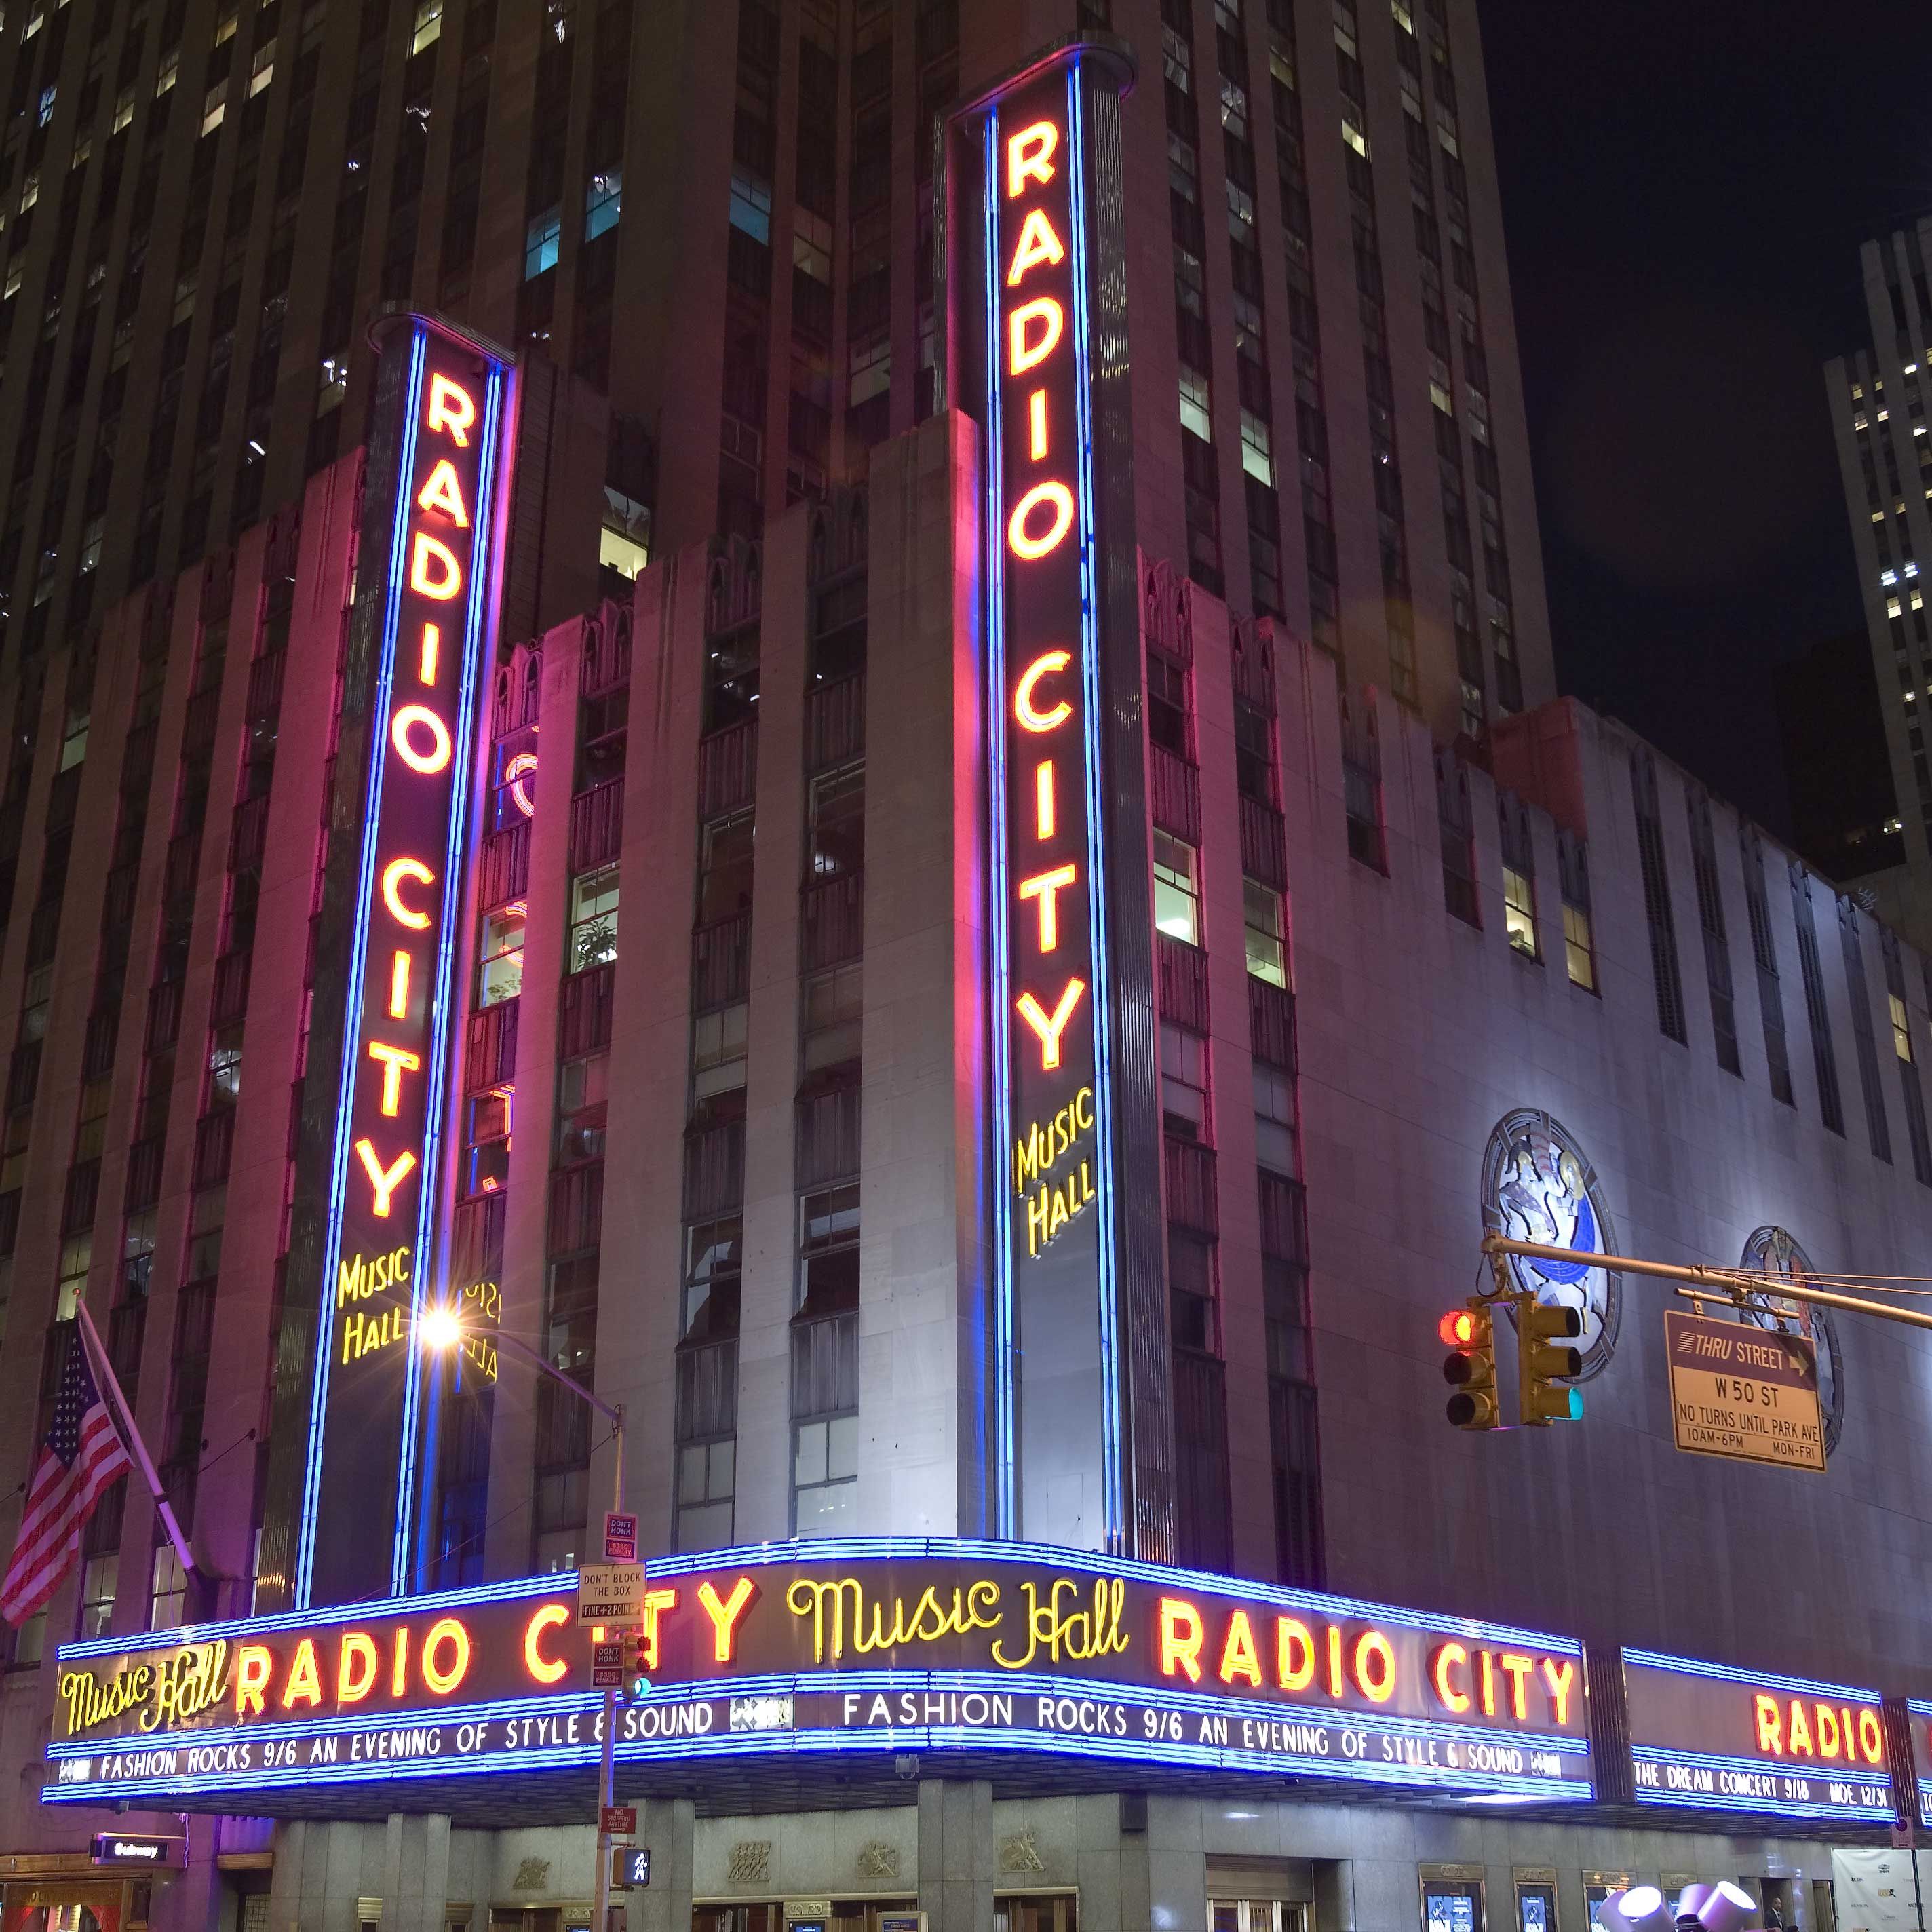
x=441 y=1330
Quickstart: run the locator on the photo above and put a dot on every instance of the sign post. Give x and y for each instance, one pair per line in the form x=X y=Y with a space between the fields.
x=1746 y=1392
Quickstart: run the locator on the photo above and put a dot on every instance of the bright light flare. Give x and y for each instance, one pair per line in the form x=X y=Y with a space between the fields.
x=440 y=1329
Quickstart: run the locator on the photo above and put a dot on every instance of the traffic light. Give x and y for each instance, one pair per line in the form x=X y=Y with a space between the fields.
x=1541 y=1360
x=641 y=1655
x=1470 y=1366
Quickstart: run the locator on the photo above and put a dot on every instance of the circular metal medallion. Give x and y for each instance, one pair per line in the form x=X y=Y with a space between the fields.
x=1772 y=1251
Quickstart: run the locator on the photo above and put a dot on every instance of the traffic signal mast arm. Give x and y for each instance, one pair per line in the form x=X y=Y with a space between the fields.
x=1734 y=1285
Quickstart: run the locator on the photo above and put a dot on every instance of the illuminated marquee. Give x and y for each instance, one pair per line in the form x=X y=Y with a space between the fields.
x=435 y=540
x=881 y=1645
x=1708 y=1738
x=1072 y=1119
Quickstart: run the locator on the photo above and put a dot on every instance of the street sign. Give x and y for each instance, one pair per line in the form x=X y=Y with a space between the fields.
x=609 y=1593
x=620 y=1538
x=1746 y=1392
x=631 y=1864
x=607 y=1677
x=617 y=1821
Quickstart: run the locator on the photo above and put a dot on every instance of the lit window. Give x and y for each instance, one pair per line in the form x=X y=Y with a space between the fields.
x=224 y=27
x=623 y=554
x=1893 y=607
x=1356 y=140
x=1267 y=952
x=34 y=21
x=1519 y=910
x=1274 y=1118
x=1858 y=421
x=1257 y=457
x=45 y=113
x=168 y=1599
x=97 y=1594
x=751 y=206
x=1579 y=950
x=428 y=25
x=1177 y=892
x=16 y=273
x=812 y=245
x=333 y=384
x=165 y=74
x=1196 y=403
x=213 y=107
x=1183 y=1083
x=1858 y=389
x=1901 y=1029
x=1887 y=576
x=1884 y=416
x=76 y=1256
x=224 y=1066
x=265 y=69
x=625 y=547
x=603 y=203
x=540 y=244
x=1235 y=110
x=593 y=919
x=1441 y=398
x=124 y=109
x=502 y=975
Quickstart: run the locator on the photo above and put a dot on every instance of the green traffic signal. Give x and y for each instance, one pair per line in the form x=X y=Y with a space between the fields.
x=1544 y=1363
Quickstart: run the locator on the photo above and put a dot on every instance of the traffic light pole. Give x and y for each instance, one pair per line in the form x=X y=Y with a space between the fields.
x=1734 y=1285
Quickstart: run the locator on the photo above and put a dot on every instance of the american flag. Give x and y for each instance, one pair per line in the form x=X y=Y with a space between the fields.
x=81 y=1455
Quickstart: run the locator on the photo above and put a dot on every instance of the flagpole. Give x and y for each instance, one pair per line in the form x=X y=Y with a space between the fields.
x=104 y=1374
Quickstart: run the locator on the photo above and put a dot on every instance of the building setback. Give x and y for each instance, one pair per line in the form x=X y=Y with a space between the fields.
x=764 y=841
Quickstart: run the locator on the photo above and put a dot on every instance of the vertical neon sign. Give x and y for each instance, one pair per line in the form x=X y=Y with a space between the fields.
x=1061 y=884
x=435 y=618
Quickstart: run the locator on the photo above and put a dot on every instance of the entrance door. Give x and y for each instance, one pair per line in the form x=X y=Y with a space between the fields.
x=1258 y=1914
x=1057 y=1911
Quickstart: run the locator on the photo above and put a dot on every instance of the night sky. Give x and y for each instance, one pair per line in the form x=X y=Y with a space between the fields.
x=1684 y=191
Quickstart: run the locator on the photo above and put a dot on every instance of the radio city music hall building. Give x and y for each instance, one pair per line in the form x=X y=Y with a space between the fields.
x=988 y=1006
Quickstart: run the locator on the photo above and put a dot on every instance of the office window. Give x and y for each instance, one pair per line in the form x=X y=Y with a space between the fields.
x=1183 y=1083
x=1519 y=910
x=542 y=243
x=486 y=1141
x=224 y=1066
x=603 y=204
x=500 y=975
x=828 y=1249
x=1257 y=448
x=583 y=1108
x=137 y=1255
x=707 y=1475
x=1267 y=921
x=1274 y=1119
x=751 y=206
x=167 y=1600
x=1901 y=1032
x=825 y=1475
x=718 y=1051
x=834 y=1002
x=1177 y=891
x=1579 y=947
x=593 y=919
x=1668 y=986
x=77 y=1255
x=428 y=25
x=711 y=1280
x=1191 y=1297
x=97 y=1580
x=1197 y=403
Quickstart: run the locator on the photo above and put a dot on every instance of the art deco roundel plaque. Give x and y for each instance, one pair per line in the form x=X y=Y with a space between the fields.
x=1538 y=1186
x=1772 y=1251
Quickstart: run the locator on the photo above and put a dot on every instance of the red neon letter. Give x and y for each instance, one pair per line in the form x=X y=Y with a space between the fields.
x=724 y=1612
x=1871 y=1739
x=1239 y=1657
x=399 y=987
x=1023 y=542
x=1448 y=1656
x=253 y=1663
x=1029 y=156
x=514 y=773
x=1180 y=1638
x=426 y=664
x=1021 y=354
x=1518 y=1668
x=1042 y=798
x=399 y=1662
x=444 y=493
x=1036 y=425
x=451 y=408
x=1561 y=1679
x=442 y=1678
x=1050 y=1029
x=447 y=580
x=1294 y=1653
x=385 y=1180
x=1799 y=1734
x=396 y=1060
x=545 y=1669
x=355 y=1668
x=1374 y=1663
x=1030 y=718
x=394 y=874
x=1045 y=886
x=1038 y=243
x=411 y=718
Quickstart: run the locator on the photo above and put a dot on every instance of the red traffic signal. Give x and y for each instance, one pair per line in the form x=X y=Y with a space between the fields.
x=1458 y=1328
x=1470 y=1368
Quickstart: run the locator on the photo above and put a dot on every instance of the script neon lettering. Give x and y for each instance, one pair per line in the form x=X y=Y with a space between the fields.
x=355 y=1667
x=452 y=411
x=545 y=1669
x=1029 y=156
x=394 y=874
x=403 y=728
x=724 y=1613
x=384 y=1180
x=1029 y=715
x=1020 y=533
x=1049 y=1027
